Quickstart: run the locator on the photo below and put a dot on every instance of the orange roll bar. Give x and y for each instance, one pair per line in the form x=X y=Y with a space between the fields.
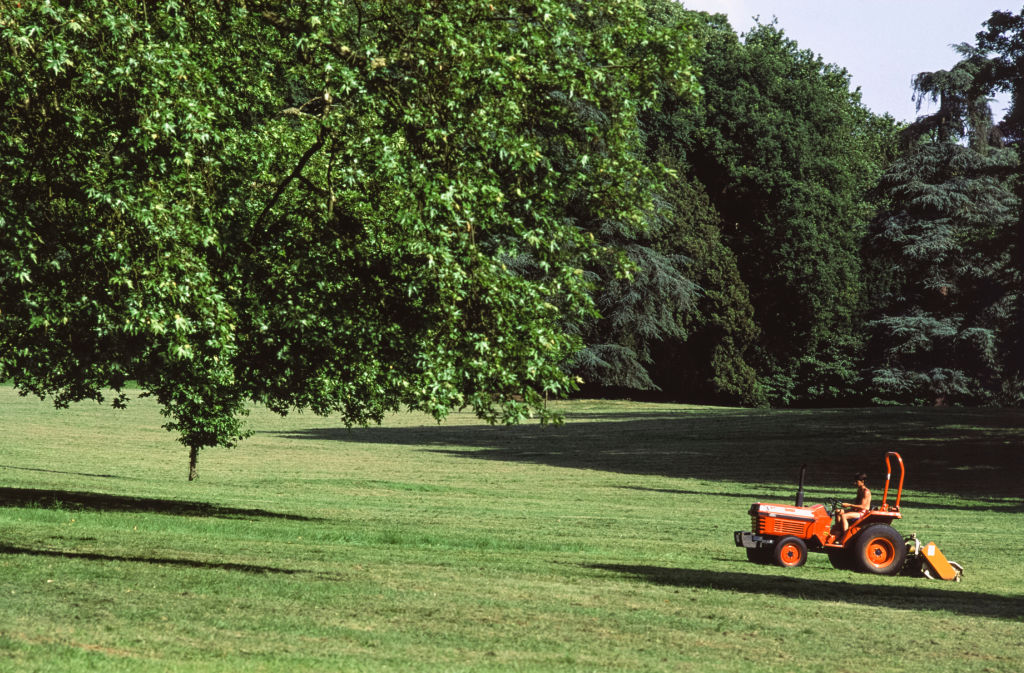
x=888 y=477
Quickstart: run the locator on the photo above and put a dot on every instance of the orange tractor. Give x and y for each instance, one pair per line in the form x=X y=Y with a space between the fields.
x=784 y=534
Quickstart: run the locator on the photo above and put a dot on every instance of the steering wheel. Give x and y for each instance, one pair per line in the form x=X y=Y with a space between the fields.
x=833 y=505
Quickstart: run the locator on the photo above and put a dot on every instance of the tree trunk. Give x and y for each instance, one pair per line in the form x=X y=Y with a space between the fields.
x=193 y=463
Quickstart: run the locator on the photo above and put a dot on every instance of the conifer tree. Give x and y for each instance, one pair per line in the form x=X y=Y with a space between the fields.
x=1002 y=43
x=940 y=251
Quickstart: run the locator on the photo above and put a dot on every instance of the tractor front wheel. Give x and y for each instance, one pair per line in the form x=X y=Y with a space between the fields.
x=879 y=550
x=790 y=552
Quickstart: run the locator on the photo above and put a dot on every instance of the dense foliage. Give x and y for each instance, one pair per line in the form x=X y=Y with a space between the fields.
x=941 y=248
x=766 y=216
x=354 y=207
x=837 y=257
x=1001 y=48
x=343 y=206
x=948 y=311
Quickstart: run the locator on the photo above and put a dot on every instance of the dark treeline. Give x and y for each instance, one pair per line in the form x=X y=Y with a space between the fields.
x=833 y=256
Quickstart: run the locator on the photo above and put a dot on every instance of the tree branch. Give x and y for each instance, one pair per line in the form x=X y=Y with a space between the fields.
x=321 y=137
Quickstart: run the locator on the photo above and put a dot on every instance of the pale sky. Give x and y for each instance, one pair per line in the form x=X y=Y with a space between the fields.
x=882 y=43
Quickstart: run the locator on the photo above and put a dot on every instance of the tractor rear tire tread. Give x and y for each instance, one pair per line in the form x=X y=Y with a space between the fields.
x=878 y=550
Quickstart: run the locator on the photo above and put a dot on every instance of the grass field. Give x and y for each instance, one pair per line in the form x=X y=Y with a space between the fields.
x=601 y=545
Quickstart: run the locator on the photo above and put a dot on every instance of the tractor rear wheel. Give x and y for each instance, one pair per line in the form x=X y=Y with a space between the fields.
x=879 y=550
x=790 y=552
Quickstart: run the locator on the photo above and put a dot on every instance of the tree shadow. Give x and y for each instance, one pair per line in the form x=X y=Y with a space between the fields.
x=977 y=452
x=985 y=504
x=179 y=562
x=968 y=603
x=681 y=491
x=75 y=474
x=105 y=502
x=188 y=563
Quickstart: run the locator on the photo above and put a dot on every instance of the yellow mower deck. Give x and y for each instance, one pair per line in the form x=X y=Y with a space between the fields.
x=935 y=564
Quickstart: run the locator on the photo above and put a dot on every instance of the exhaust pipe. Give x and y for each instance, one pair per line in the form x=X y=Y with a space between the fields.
x=800 y=490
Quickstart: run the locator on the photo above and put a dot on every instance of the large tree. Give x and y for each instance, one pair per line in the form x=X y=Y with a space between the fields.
x=954 y=234
x=785 y=153
x=941 y=250
x=313 y=204
x=712 y=363
x=642 y=290
x=1001 y=43
x=706 y=356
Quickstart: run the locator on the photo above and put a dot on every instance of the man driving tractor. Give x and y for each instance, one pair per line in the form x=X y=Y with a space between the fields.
x=855 y=510
x=854 y=535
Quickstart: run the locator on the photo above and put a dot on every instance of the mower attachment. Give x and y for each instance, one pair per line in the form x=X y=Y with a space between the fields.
x=931 y=562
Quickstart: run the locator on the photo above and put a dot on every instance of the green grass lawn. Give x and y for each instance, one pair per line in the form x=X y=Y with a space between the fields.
x=601 y=545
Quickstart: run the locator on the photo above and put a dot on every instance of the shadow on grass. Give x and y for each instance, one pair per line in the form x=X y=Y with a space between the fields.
x=977 y=452
x=104 y=502
x=188 y=563
x=880 y=595
x=906 y=505
x=985 y=505
x=681 y=491
x=76 y=474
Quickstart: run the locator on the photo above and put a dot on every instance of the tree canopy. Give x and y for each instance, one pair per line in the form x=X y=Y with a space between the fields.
x=766 y=217
x=948 y=309
x=341 y=206
x=359 y=206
